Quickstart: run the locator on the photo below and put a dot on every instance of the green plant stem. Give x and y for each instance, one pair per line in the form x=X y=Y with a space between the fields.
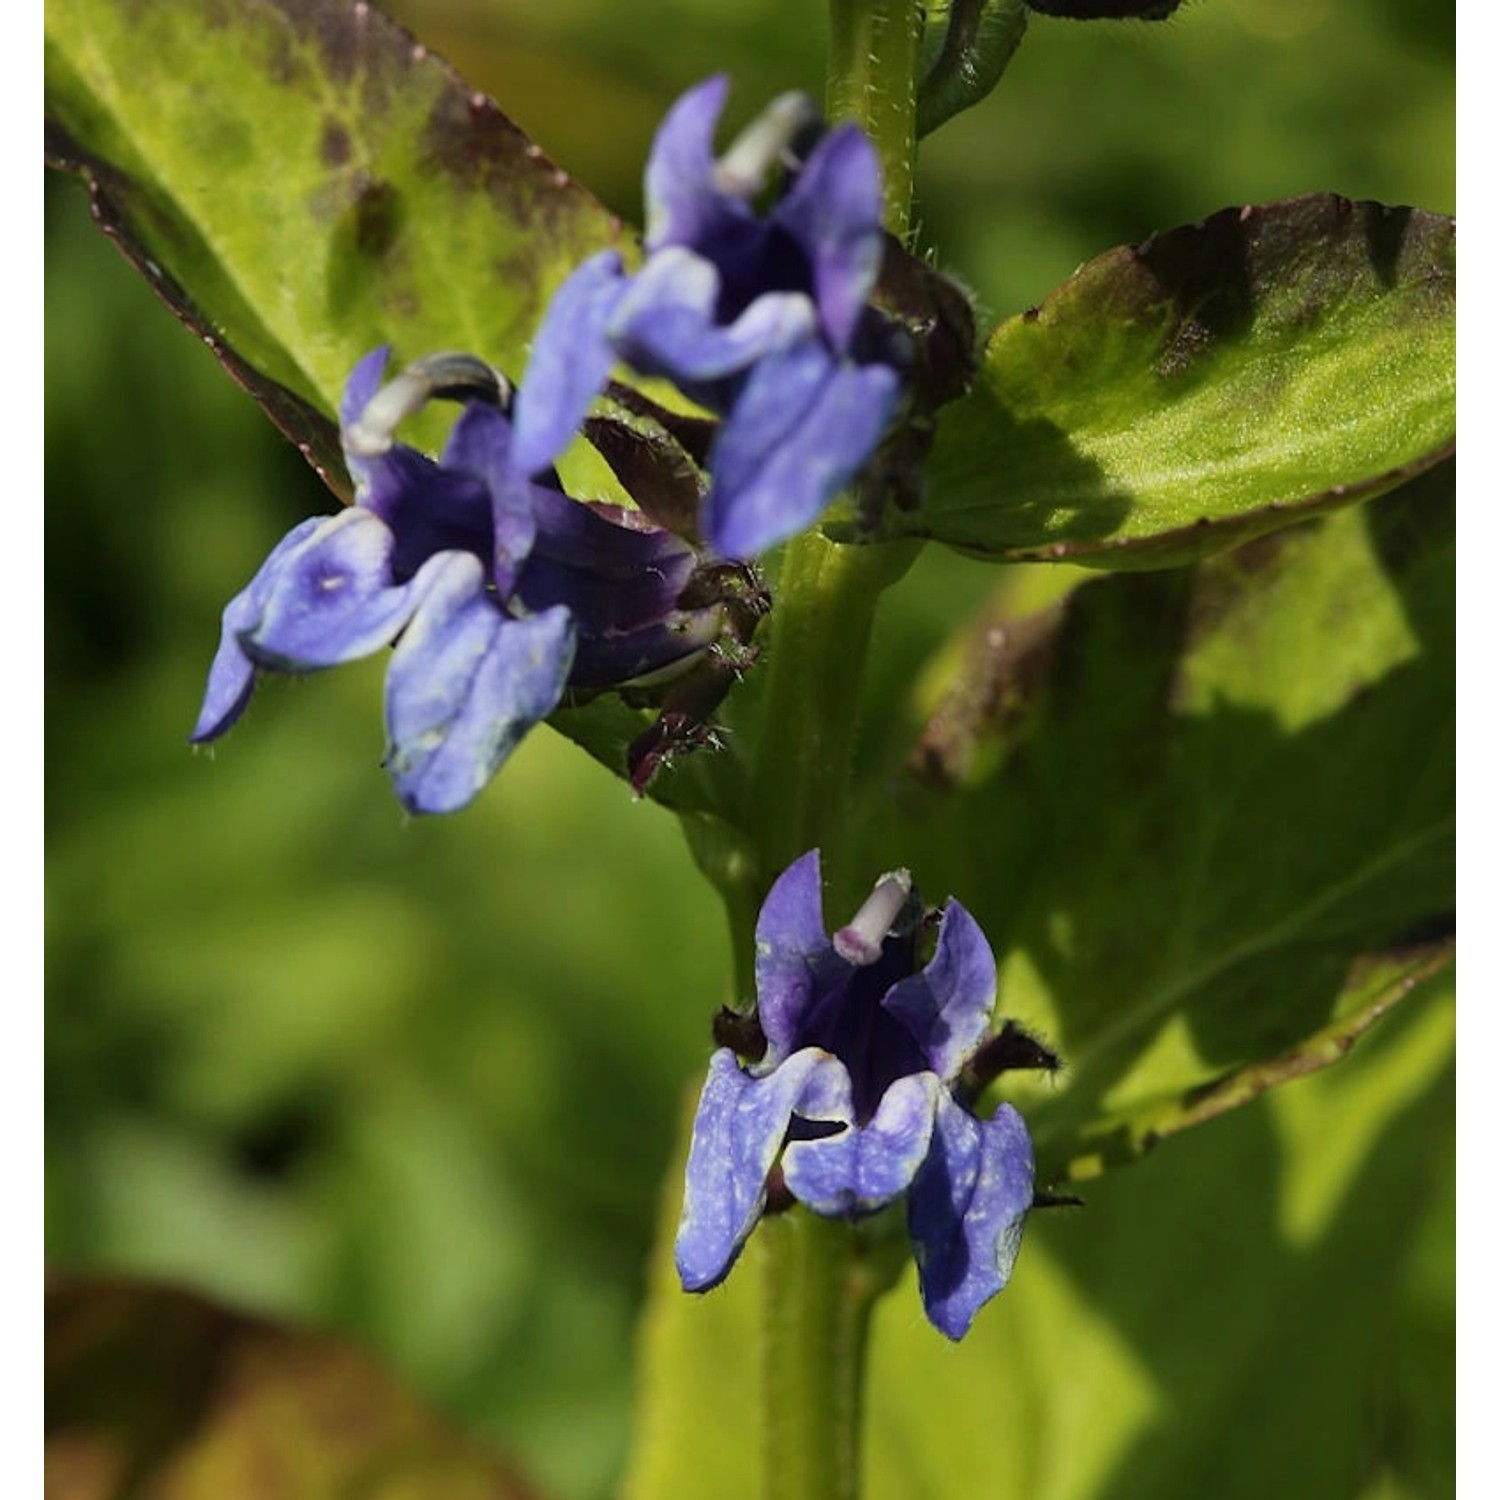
x=820 y=633
x=873 y=48
x=819 y=1296
x=820 y=1285
x=817 y=1290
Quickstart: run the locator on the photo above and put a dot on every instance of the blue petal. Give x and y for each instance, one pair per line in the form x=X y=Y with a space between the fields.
x=332 y=599
x=231 y=678
x=800 y=431
x=430 y=509
x=363 y=382
x=361 y=386
x=480 y=445
x=666 y=323
x=834 y=213
x=607 y=541
x=947 y=1006
x=682 y=204
x=621 y=579
x=792 y=953
x=967 y=1206
x=465 y=684
x=865 y=1167
x=740 y=1125
x=570 y=362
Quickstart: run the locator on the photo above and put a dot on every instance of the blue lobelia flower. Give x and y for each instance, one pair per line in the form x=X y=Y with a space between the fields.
x=855 y=1096
x=763 y=319
x=497 y=593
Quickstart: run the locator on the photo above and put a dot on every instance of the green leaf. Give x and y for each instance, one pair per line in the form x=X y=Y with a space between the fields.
x=966 y=47
x=1230 y=1318
x=155 y=1391
x=300 y=180
x=1212 y=384
x=1206 y=818
x=1217 y=814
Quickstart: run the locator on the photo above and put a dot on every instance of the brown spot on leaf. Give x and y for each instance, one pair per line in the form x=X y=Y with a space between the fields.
x=334 y=147
x=1006 y=664
x=330 y=27
x=377 y=213
x=1187 y=344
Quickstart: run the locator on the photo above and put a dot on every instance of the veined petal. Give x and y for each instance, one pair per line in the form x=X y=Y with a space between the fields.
x=801 y=429
x=605 y=541
x=864 y=1167
x=834 y=213
x=666 y=324
x=570 y=362
x=947 y=1006
x=740 y=1125
x=682 y=203
x=792 y=951
x=332 y=599
x=618 y=608
x=465 y=684
x=429 y=509
x=967 y=1207
x=621 y=582
x=231 y=678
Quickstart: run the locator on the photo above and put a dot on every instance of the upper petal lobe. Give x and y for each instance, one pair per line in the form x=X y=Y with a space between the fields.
x=792 y=951
x=231 y=678
x=947 y=1006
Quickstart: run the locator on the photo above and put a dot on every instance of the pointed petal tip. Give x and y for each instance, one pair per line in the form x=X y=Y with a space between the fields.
x=680 y=196
x=363 y=382
x=465 y=685
x=698 y=1278
x=231 y=685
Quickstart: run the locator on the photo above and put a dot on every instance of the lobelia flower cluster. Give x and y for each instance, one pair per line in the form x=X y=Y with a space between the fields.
x=500 y=593
x=860 y=1095
x=763 y=320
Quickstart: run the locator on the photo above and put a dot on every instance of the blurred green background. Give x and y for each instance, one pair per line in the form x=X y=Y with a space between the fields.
x=418 y=1081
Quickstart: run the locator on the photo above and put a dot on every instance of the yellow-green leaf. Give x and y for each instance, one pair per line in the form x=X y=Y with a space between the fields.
x=1212 y=384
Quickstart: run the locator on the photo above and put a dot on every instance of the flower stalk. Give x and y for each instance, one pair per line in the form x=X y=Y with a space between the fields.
x=873 y=52
x=819 y=637
x=817 y=1296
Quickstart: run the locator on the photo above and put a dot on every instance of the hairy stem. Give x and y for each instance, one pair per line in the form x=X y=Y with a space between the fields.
x=816 y=1328
x=820 y=633
x=873 y=48
x=819 y=1287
